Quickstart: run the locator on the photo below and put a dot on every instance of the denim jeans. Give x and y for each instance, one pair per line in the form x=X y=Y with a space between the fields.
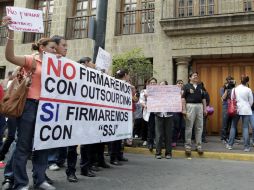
x=2 y=128
x=245 y=129
x=252 y=125
x=25 y=134
x=57 y=156
x=8 y=170
x=12 y=126
x=226 y=123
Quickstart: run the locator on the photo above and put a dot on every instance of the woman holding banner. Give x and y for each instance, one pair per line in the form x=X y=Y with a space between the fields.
x=26 y=121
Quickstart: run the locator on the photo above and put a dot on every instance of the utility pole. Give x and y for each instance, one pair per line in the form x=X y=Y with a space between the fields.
x=101 y=21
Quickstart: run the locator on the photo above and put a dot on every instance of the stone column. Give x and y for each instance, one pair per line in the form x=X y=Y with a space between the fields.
x=182 y=68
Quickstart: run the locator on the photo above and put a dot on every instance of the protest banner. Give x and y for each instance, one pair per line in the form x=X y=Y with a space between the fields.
x=164 y=98
x=25 y=20
x=80 y=105
x=103 y=60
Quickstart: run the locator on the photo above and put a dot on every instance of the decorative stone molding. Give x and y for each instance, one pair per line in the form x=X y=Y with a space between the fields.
x=208 y=24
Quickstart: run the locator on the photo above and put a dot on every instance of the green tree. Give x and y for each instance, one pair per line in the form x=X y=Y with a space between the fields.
x=140 y=68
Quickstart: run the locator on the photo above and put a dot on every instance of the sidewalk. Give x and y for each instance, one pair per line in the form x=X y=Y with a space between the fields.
x=214 y=149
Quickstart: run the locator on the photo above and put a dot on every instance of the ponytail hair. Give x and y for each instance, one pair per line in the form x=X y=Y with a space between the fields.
x=41 y=42
x=121 y=73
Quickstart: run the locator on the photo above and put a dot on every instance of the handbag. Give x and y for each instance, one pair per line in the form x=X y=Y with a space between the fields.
x=209 y=110
x=13 y=103
x=232 y=105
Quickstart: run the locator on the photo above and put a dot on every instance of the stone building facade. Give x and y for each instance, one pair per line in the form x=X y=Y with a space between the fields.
x=213 y=37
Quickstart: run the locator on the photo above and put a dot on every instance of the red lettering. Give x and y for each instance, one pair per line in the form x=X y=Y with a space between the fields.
x=65 y=71
x=51 y=65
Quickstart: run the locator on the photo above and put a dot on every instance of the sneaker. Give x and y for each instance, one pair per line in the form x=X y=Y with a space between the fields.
x=45 y=186
x=158 y=156
x=168 y=156
x=173 y=144
x=54 y=167
x=72 y=178
x=2 y=164
x=199 y=150
x=229 y=147
x=7 y=184
x=188 y=151
x=246 y=149
x=144 y=143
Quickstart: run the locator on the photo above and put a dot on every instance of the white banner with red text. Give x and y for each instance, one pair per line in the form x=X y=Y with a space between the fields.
x=80 y=105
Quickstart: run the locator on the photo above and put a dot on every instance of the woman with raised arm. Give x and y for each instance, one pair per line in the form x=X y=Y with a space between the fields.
x=26 y=122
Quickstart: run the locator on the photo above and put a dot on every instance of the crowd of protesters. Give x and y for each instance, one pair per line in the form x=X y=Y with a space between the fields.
x=155 y=129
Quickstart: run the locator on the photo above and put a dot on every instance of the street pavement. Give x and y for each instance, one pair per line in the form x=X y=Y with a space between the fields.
x=146 y=172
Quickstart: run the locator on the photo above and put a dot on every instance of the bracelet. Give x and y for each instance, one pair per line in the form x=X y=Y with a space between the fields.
x=9 y=38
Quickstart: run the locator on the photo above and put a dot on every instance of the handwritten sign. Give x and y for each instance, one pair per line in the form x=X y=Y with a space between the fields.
x=164 y=98
x=103 y=60
x=25 y=20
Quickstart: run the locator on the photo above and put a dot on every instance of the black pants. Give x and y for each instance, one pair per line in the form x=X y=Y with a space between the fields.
x=116 y=150
x=137 y=127
x=151 y=129
x=71 y=159
x=86 y=153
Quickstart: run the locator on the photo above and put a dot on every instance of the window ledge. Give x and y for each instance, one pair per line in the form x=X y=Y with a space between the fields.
x=208 y=24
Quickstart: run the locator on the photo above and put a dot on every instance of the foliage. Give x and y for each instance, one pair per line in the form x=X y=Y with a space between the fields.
x=140 y=68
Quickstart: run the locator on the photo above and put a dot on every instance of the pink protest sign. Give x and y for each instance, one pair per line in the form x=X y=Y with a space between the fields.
x=25 y=20
x=164 y=98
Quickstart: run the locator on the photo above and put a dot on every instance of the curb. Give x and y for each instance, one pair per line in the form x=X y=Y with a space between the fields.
x=209 y=155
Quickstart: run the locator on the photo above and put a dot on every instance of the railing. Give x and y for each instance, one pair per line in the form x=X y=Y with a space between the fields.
x=171 y=9
x=3 y=35
x=33 y=37
x=135 y=22
x=79 y=27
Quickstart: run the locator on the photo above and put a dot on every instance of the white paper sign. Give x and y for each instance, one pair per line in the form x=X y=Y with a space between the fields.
x=103 y=60
x=164 y=98
x=25 y=20
x=80 y=105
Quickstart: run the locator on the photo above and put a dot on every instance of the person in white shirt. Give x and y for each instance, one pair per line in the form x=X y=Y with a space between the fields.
x=244 y=99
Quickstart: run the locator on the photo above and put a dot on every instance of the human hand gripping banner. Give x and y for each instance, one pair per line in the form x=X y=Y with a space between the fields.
x=79 y=105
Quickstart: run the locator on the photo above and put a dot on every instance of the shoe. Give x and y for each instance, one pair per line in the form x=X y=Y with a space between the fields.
x=95 y=168
x=7 y=184
x=144 y=143
x=50 y=181
x=2 y=164
x=25 y=188
x=123 y=159
x=87 y=173
x=229 y=147
x=150 y=147
x=246 y=149
x=116 y=163
x=188 y=151
x=158 y=156
x=45 y=186
x=168 y=156
x=173 y=144
x=72 y=178
x=199 y=150
x=54 y=167
x=104 y=165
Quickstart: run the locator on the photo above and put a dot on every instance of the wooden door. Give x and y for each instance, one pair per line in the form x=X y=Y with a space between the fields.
x=213 y=74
